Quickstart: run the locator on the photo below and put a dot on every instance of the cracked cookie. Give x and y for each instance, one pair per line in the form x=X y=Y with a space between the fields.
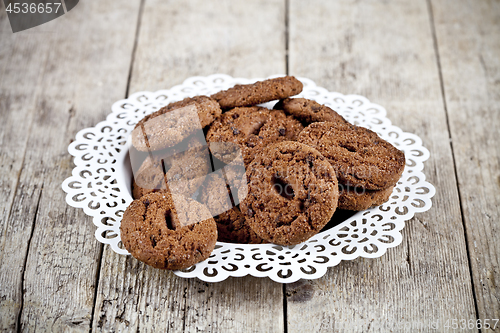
x=168 y=231
x=258 y=92
x=174 y=122
x=247 y=130
x=181 y=168
x=231 y=224
x=358 y=155
x=308 y=111
x=360 y=199
x=292 y=193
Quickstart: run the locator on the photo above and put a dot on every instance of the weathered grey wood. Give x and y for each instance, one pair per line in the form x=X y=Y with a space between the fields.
x=136 y=297
x=177 y=40
x=245 y=304
x=384 y=51
x=22 y=59
x=469 y=47
x=58 y=80
x=187 y=38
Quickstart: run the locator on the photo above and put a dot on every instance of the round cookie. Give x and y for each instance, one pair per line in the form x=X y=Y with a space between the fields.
x=215 y=194
x=188 y=171
x=235 y=174
x=248 y=130
x=231 y=223
x=358 y=155
x=148 y=178
x=166 y=128
x=157 y=230
x=185 y=170
x=208 y=108
x=308 y=111
x=139 y=191
x=233 y=228
x=292 y=193
x=258 y=92
x=351 y=199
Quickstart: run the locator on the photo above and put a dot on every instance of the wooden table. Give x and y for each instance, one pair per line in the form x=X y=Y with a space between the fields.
x=434 y=65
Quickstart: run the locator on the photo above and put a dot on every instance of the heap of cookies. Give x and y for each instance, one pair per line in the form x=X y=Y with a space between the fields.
x=265 y=175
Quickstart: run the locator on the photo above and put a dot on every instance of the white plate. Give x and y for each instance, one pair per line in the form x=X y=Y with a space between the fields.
x=101 y=185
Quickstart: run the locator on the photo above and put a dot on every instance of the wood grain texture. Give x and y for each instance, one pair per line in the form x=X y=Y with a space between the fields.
x=384 y=51
x=469 y=47
x=188 y=38
x=22 y=60
x=76 y=72
x=177 y=40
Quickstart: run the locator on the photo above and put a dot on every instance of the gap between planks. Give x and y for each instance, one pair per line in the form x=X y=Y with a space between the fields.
x=137 y=30
x=101 y=250
x=21 y=284
x=443 y=96
x=19 y=315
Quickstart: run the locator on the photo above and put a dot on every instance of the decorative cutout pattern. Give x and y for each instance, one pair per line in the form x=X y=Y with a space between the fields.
x=100 y=184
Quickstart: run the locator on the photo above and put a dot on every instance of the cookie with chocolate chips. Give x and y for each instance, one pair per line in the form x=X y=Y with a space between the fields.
x=292 y=193
x=258 y=92
x=168 y=231
x=358 y=155
x=247 y=130
x=308 y=111
x=358 y=199
x=231 y=224
x=174 y=122
x=180 y=169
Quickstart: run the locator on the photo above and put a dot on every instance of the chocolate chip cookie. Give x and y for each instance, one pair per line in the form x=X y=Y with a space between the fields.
x=174 y=122
x=358 y=155
x=180 y=169
x=168 y=232
x=246 y=130
x=233 y=228
x=258 y=92
x=231 y=224
x=358 y=199
x=292 y=193
x=308 y=111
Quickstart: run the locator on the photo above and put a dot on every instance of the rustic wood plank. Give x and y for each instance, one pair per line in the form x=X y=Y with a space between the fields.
x=187 y=38
x=384 y=51
x=22 y=59
x=469 y=47
x=177 y=40
x=61 y=78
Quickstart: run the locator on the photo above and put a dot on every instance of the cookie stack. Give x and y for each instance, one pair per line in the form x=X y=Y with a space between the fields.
x=223 y=168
